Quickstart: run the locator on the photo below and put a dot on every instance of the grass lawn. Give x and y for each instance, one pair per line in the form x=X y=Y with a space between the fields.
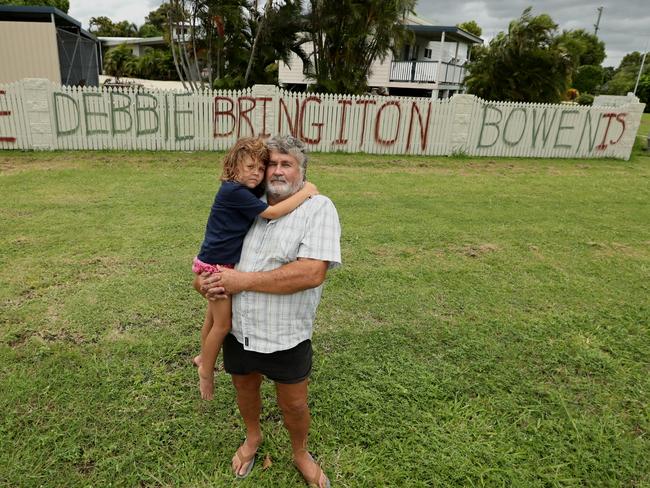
x=489 y=326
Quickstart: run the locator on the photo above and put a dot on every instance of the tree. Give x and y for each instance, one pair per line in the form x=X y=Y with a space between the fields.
x=149 y=30
x=349 y=35
x=643 y=91
x=279 y=37
x=62 y=5
x=119 y=61
x=105 y=27
x=526 y=64
x=155 y=64
x=625 y=75
x=588 y=78
x=583 y=47
x=155 y=23
x=472 y=27
x=219 y=40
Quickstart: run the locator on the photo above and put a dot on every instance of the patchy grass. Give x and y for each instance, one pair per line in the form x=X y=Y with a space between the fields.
x=489 y=327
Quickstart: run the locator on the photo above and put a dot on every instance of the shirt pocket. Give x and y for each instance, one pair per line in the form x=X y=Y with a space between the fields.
x=288 y=239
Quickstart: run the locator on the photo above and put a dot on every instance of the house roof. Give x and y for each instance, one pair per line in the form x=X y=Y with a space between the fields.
x=452 y=33
x=143 y=41
x=15 y=13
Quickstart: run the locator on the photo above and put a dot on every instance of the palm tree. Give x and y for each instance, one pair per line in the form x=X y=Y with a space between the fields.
x=526 y=64
x=349 y=35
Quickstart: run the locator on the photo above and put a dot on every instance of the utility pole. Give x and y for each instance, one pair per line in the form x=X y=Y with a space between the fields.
x=597 y=24
x=645 y=53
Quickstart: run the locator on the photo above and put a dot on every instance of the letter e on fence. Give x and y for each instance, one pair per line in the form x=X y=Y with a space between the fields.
x=5 y=113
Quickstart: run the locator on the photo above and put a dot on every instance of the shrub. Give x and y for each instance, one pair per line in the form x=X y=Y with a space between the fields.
x=585 y=99
x=119 y=61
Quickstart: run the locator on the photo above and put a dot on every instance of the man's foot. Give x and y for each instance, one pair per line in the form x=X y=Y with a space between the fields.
x=310 y=470
x=206 y=383
x=244 y=458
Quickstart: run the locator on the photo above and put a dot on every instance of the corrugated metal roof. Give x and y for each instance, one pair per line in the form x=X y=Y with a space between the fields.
x=15 y=13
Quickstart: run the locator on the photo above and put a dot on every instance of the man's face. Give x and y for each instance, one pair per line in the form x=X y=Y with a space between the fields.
x=283 y=175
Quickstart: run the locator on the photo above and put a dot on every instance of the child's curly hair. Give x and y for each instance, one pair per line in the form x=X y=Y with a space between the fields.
x=253 y=147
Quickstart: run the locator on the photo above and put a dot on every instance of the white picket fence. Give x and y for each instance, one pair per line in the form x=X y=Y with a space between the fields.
x=36 y=114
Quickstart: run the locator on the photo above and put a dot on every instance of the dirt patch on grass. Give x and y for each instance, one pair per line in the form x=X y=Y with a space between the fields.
x=617 y=249
x=62 y=335
x=476 y=250
x=13 y=167
x=48 y=336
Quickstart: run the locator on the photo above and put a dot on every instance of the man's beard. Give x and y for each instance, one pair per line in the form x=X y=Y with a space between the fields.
x=279 y=188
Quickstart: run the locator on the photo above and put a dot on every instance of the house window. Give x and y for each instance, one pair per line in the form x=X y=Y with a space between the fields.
x=427 y=53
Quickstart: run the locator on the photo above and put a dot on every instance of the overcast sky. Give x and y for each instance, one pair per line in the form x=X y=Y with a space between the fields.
x=624 y=25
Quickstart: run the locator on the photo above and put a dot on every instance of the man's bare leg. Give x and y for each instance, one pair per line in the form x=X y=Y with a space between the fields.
x=221 y=315
x=292 y=400
x=249 y=402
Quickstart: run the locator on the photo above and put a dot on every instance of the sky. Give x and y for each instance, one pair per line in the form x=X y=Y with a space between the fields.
x=624 y=24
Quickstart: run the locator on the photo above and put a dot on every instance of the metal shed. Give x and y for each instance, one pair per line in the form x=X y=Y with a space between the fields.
x=43 y=42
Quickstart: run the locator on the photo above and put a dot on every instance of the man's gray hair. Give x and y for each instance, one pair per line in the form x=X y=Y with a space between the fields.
x=292 y=146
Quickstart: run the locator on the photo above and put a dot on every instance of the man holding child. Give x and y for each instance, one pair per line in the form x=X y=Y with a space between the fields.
x=275 y=289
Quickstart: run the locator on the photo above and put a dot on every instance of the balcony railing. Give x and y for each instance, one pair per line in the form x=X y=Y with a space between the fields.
x=426 y=72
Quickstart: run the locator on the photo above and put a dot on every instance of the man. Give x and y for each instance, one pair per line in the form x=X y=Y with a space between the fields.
x=276 y=288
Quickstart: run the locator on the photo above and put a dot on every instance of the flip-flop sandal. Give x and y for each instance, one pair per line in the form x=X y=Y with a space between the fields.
x=315 y=480
x=243 y=460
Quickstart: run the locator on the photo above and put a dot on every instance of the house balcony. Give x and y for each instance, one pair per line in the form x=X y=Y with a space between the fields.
x=427 y=72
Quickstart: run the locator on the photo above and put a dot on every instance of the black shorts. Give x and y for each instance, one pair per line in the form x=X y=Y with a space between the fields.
x=289 y=366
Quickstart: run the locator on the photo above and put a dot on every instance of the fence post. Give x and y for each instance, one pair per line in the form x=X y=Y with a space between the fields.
x=462 y=108
x=266 y=98
x=36 y=102
x=635 y=113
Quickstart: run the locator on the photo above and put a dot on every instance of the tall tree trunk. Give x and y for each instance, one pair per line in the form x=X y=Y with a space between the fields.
x=260 y=26
x=196 y=58
x=173 y=43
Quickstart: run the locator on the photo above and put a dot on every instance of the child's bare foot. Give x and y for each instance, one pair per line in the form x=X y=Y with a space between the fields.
x=206 y=383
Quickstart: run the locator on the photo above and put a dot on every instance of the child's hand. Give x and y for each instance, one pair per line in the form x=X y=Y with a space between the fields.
x=311 y=188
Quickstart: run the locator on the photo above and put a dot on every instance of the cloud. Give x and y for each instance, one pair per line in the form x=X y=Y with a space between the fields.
x=116 y=10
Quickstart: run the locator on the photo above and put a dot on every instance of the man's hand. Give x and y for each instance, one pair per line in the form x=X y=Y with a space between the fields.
x=209 y=286
x=225 y=282
x=287 y=279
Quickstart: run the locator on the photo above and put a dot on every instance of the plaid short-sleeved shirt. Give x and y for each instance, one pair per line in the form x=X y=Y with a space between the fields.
x=266 y=322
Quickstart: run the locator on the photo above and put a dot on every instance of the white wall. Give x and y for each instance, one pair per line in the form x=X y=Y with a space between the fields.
x=28 y=50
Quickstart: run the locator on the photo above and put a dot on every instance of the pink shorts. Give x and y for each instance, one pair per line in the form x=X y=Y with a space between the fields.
x=199 y=267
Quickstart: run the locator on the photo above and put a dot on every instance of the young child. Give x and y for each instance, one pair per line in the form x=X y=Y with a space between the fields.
x=233 y=211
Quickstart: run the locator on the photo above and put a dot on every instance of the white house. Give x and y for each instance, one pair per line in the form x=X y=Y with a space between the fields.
x=432 y=65
x=136 y=44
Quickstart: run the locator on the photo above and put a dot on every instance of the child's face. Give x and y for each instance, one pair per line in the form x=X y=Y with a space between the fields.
x=251 y=172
